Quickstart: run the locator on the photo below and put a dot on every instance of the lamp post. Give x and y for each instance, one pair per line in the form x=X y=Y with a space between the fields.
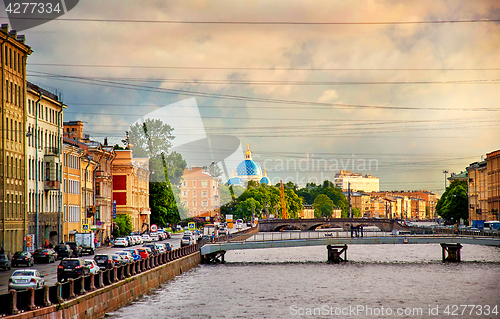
x=445 y=172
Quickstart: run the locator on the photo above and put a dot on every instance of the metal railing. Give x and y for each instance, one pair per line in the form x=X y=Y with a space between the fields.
x=15 y=302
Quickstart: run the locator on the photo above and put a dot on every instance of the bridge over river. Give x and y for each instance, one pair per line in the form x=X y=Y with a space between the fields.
x=269 y=225
x=299 y=239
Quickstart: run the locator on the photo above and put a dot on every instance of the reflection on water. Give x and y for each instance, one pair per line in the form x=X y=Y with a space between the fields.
x=277 y=283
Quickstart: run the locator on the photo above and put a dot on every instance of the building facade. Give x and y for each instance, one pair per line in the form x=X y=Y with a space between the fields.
x=356 y=182
x=131 y=188
x=493 y=182
x=44 y=156
x=200 y=192
x=13 y=161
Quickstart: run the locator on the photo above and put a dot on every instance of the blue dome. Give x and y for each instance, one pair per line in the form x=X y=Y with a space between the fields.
x=265 y=180
x=249 y=168
x=234 y=181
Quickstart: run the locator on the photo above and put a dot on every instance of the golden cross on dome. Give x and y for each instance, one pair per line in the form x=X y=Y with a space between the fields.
x=248 y=154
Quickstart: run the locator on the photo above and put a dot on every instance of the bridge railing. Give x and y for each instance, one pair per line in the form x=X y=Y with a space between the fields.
x=294 y=235
x=15 y=302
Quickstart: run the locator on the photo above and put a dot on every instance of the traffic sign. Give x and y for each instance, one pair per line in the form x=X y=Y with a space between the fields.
x=85 y=227
x=191 y=225
x=154 y=228
x=99 y=223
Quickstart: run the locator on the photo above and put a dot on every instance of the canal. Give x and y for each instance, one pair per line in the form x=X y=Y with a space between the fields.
x=382 y=281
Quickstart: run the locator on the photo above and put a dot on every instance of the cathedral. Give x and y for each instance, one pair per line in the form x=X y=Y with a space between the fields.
x=248 y=170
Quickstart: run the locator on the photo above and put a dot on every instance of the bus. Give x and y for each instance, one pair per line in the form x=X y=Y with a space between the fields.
x=492 y=224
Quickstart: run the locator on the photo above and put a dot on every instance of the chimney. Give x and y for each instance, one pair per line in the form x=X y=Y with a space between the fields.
x=5 y=28
x=21 y=38
x=13 y=33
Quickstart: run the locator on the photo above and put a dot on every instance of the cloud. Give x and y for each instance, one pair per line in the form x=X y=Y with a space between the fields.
x=328 y=96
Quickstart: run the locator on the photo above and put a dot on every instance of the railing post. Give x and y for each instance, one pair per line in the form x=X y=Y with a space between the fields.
x=31 y=297
x=13 y=302
x=59 y=297
x=82 y=291
x=115 y=274
x=71 y=288
x=132 y=268
x=92 y=279
x=46 y=296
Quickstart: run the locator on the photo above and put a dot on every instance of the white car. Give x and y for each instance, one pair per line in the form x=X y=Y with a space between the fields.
x=94 y=268
x=138 y=240
x=123 y=242
x=127 y=256
x=25 y=278
x=155 y=237
x=146 y=238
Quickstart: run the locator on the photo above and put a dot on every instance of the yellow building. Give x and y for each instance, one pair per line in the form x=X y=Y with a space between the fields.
x=493 y=182
x=78 y=188
x=131 y=188
x=13 y=161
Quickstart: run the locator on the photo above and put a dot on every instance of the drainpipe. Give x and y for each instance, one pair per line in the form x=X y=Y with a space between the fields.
x=4 y=181
x=37 y=240
x=59 y=150
x=85 y=194
x=95 y=169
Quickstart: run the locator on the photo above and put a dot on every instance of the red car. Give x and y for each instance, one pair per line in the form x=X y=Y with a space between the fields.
x=143 y=252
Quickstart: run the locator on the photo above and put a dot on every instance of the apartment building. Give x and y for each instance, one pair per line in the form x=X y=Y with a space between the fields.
x=131 y=188
x=200 y=192
x=356 y=182
x=44 y=156
x=13 y=161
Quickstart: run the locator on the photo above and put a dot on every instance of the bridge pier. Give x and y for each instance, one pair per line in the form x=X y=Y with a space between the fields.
x=334 y=254
x=452 y=250
x=217 y=257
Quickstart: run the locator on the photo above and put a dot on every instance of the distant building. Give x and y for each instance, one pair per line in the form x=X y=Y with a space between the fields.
x=361 y=201
x=307 y=212
x=131 y=188
x=200 y=192
x=484 y=188
x=356 y=182
x=462 y=176
x=248 y=170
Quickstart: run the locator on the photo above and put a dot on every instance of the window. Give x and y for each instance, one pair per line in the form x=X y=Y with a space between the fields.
x=194 y=203
x=15 y=131
x=204 y=203
x=194 y=183
x=204 y=193
x=184 y=193
x=184 y=183
x=204 y=183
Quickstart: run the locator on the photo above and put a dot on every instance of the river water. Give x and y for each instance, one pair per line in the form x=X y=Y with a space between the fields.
x=378 y=281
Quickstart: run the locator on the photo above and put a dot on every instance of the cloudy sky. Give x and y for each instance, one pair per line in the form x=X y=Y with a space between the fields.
x=340 y=83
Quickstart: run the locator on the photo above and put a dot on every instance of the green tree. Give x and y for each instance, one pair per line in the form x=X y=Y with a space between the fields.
x=323 y=206
x=311 y=191
x=356 y=212
x=152 y=139
x=123 y=225
x=245 y=208
x=453 y=204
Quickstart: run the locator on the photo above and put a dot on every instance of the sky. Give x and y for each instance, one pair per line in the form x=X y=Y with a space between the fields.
x=312 y=86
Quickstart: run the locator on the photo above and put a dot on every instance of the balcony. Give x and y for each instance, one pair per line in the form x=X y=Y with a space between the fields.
x=102 y=175
x=54 y=151
x=51 y=185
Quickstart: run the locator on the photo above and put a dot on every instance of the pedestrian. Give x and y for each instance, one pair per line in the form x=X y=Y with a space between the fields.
x=2 y=251
x=50 y=245
x=352 y=231
x=361 y=230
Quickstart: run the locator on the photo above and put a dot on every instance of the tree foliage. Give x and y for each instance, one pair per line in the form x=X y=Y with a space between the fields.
x=323 y=206
x=311 y=191
x=453 y=204
x=123 y=225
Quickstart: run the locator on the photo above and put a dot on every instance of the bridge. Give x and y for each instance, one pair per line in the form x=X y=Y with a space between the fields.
x=270 y=225
x=211 y=252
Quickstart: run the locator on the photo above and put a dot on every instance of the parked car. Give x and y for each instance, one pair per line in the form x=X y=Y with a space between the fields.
x=119 y=261
x=134 y=253
x=123 y=242
x=25 y=278
x=153 y=248
x=154 y=237
x=138 y=240
x=5 y=262
x=143 y=252
x=76 y=247
x=131 y=240
x=94 y=268
x=63 y=251
x=23 y=258
x=72 y=268
x=126 y=256
x=161 y=248
x=146 y=238
x=104 y=261
x=168 y=247
x=46 y=254
x=186 y=240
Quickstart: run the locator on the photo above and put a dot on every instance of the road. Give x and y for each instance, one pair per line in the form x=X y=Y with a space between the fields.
x=50 y=270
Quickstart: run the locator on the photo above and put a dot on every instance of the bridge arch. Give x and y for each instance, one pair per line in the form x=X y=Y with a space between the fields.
x=286 y=227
